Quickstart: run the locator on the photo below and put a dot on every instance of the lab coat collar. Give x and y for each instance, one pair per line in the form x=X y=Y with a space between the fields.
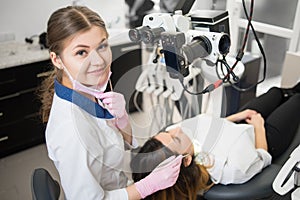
x=81 y=101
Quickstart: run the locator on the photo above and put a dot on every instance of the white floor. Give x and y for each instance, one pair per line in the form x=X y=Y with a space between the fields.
x=16 y=170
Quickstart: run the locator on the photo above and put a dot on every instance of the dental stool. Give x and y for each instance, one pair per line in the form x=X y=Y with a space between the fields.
x=259 y=187
x=43 y=186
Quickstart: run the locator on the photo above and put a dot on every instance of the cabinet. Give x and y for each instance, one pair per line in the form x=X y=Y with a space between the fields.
x=20 y=123
x=126 y=68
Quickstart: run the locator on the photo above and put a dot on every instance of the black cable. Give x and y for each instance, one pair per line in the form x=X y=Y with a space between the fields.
x=241 y=54
x=209 y=88
x=239 y=57
x=241 y=50
x=226 y=77
x=260 y=48
x=249 y=18
x=186 y=90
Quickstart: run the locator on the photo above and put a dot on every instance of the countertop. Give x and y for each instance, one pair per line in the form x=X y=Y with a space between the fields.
x=14 y=53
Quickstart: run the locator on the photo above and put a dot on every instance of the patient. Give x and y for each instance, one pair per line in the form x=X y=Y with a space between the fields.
x=227 y=150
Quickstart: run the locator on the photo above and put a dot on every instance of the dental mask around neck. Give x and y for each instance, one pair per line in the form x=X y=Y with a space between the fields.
x=91 y=63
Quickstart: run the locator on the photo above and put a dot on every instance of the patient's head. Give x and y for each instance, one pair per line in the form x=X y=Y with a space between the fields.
x=193 y=178
x=176 y=140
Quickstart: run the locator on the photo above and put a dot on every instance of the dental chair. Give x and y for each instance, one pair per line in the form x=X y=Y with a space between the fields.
x=259 y=187
x=43 y=186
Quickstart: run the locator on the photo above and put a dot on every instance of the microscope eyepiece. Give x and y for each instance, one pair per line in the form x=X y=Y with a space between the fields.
x=152 y=35
x=135 y=35
x=145 y=34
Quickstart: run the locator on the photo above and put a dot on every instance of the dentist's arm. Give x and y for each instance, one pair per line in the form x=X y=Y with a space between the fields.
x=125 y=128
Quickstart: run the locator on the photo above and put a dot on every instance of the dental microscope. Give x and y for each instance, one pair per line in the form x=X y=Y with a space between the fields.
x=182 y=49
x=185 y=50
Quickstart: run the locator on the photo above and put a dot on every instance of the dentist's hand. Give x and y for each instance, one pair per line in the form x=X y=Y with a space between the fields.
x=160 y=178
x=115 y=104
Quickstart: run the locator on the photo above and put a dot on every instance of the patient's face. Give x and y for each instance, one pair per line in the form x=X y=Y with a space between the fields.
x=176 y=140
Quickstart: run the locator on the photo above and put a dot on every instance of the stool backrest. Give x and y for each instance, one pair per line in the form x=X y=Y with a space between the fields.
x=43 y=186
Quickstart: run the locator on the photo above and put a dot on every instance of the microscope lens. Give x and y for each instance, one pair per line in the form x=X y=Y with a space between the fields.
x=152 y=35
x=134 y=35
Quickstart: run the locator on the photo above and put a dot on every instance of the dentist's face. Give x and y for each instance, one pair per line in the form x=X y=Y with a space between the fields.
x=87 y=57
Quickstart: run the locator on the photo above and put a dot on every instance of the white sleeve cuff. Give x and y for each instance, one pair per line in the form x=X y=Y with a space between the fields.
x=265 y=156
x=134 y=144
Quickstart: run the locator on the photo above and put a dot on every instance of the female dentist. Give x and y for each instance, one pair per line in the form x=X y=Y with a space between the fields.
x=88 y=131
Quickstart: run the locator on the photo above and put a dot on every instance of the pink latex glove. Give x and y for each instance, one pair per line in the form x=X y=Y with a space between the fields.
x=115 y=104
x=163 y=176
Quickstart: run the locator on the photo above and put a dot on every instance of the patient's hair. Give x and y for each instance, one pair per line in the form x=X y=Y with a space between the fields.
x=193 y=179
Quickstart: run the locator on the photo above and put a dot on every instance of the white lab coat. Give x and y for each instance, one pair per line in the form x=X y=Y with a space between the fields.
x=236 y=160
x=88 y=151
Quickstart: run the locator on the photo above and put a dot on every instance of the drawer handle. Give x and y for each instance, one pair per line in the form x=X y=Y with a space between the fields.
x=4 y=138
x=7 y=81
x=43 y=74
x=10 y=96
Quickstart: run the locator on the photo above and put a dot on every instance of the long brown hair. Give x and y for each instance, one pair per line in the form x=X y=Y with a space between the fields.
x=192 y=179
x=63 y=24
